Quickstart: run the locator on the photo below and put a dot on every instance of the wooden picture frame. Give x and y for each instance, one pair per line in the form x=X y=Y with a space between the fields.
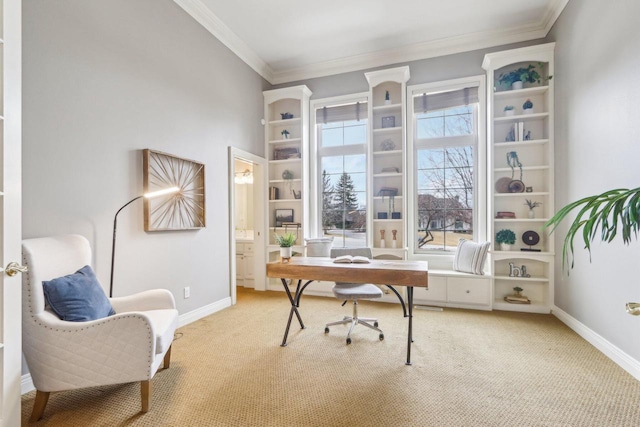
x=184 y=210
x=283 y=215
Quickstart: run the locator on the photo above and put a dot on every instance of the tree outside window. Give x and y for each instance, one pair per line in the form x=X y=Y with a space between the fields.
x=445 y=177
x=341 y=135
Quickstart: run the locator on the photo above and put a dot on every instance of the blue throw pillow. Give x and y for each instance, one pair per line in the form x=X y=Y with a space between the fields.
x=77 y=297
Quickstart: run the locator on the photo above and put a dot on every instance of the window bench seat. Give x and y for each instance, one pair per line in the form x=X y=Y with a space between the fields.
x=449 y=288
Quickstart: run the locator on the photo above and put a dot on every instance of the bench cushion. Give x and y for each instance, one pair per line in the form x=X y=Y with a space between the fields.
x=470 y=256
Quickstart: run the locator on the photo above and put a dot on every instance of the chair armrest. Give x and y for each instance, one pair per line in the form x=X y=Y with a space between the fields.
x=155 y=299
x=115 y=349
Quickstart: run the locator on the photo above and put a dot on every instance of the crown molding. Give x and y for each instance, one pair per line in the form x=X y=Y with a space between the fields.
x=553 y=13
x=215 y=26
x=442 y=47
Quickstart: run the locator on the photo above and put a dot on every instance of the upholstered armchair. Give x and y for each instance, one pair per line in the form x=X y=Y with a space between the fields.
x=128 y=346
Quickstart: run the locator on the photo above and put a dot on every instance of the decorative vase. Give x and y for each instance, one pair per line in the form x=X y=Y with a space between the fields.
x=532 y=213
x=285 y=253
x=528 y=111
x=394 y=242
x=509 y=112
x=505 y=247
x=516 y=85
x=382 y=243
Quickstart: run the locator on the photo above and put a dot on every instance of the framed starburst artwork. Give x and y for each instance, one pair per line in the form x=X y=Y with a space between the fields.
x=184 y=210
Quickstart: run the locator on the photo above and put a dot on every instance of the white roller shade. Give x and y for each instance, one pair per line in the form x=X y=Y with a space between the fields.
x=342 y=113
x=425 y=102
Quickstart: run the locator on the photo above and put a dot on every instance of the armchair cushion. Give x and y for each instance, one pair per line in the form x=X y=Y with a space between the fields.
x=77 y=297
x=164 y=322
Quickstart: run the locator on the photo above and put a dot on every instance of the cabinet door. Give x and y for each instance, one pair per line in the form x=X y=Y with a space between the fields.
x=239 y=267
x=469 y=291
x=249 y=266
x=437 y=291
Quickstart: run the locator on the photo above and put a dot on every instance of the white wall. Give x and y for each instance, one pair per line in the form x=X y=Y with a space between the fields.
x=105 y=79
x=597 y=146
x=597 y=149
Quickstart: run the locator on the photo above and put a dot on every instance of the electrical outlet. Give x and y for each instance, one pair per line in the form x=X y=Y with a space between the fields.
x=187 y=292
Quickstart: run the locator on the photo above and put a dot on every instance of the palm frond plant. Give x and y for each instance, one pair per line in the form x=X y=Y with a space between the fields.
x=604 y=212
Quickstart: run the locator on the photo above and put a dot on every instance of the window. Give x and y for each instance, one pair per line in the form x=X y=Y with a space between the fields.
x=444 y=181
x=341 y=140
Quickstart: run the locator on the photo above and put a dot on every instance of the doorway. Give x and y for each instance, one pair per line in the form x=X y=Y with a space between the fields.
x=247 y=223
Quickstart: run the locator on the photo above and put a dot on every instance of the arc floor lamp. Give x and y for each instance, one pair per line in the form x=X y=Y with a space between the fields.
x=149 y=195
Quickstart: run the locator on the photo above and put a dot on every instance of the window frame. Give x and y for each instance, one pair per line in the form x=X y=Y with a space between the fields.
x=315 y=200
x=442 y=259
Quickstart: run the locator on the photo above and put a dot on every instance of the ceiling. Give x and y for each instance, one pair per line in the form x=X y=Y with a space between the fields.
x=291 y=40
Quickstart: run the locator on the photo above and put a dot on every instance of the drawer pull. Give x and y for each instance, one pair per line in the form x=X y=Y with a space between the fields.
x=468 y=291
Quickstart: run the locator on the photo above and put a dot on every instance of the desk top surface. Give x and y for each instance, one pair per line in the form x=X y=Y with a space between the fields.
x=380 y=272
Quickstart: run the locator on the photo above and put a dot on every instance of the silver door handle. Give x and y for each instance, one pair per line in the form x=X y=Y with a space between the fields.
x=633 y=308
x=14 y=268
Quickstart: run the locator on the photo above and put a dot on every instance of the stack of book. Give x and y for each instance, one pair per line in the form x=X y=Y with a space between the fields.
x=274 y=193
x=517 y=299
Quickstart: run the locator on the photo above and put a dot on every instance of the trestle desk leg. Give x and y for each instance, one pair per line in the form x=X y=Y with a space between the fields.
x=294 y=309
x=410 y=332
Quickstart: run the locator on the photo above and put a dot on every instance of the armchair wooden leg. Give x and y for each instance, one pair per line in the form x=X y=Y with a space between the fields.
x=145 y=392
x=167 y=359
x=42 y=397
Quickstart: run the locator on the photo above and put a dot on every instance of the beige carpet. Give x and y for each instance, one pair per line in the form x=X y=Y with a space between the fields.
x=470 y=368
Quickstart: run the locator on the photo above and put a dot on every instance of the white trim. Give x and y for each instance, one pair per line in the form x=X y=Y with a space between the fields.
x=619 y=357
x=447 y=46
x=480 y=160
x=622 y=359
x=553 y=13
x=205 y=17
x=414 y=52
x=199 y=313
x=260 y=227
x=26 y=384
x=315 y=203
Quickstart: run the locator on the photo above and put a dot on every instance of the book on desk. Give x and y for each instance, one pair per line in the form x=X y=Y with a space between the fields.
x=350 y=259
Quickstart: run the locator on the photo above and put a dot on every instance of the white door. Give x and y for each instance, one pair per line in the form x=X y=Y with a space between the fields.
x=10 y=211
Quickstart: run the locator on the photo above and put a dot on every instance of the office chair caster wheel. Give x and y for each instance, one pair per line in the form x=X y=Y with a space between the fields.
x=381 y=337
x=375 y=323
x=348 y=341
x=326 y=330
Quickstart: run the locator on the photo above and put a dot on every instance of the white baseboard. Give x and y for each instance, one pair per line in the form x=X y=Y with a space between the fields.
x=626 y=362
x=26 y=384
x=205 y=311
x=622 y=359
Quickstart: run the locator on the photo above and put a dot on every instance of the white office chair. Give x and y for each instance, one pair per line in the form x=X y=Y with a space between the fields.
x=128 y=346
x=354 y=292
